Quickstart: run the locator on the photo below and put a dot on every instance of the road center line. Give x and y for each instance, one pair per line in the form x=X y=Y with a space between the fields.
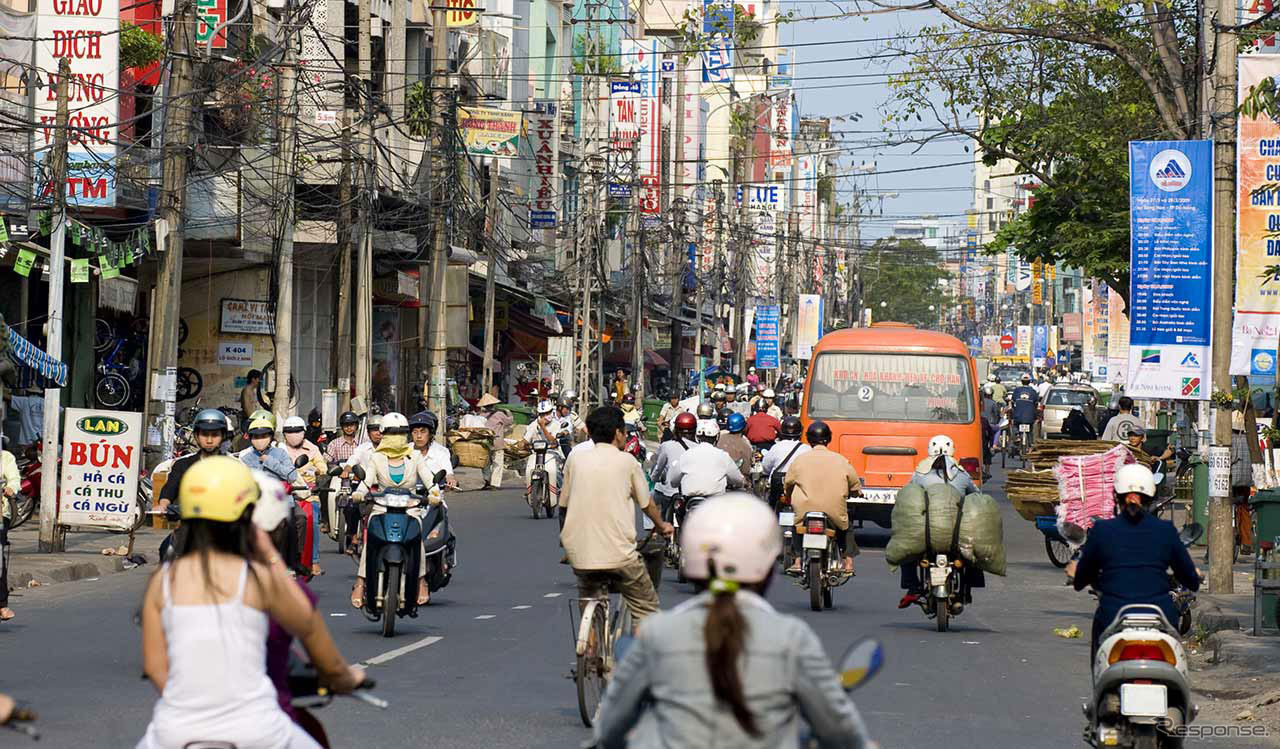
x=551 y=595
x=391 y=655
x=486 y=616
x=520 y=608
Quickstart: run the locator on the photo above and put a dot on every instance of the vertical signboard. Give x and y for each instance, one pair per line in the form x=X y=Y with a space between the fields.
x=1256 y=325
x=562 y=350
x=1039 y=345
x=808 y=325
x=101 y=454
x=87 y=33
x=210 y=14
x=1037 y=281
x=1117 y=338
x=768 y=342
x=544 y=140
x=1024 y=342
x=1171 y=268
x=717 y=56
x=461 y=13
x=640 y=58
x=780 y=128
x=624 y=131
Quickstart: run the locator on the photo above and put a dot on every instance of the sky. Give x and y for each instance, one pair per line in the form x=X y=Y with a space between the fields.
x=945 y=192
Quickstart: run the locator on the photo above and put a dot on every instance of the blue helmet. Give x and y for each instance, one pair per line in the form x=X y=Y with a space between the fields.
x=737 y=423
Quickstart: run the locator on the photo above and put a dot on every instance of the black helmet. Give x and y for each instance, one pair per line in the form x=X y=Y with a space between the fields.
x=722 y=418
x=791 y=427
x=423 y=419
x=211 y=420
x=818 y=433
x=348 y=417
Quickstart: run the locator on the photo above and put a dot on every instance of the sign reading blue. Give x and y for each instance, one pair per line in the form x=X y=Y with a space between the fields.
x=1171 y=268
x=768 y=338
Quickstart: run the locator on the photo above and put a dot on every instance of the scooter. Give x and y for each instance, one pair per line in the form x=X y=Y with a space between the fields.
x=439 y=546
x=1141 y=695
x=821 y=566
x=679 y=509
x=342 y=508
x=945 y=591
x=309 y=695
x=635 y=444
x=539 y=494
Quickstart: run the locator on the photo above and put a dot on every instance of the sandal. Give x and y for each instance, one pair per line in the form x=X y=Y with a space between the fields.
x=6 y=614
x=357 y=595
x=424 y=592
x=316 y=570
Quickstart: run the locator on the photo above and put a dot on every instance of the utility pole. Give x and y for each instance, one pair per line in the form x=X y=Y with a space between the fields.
x=680 y=254
x=368 y=173
x=1220 y=537
x=50 y=539
x=743 y=250
x=281 y=403
x=441 y=149
x=342 y=312
x=637 y=271
x=490 y=276
x=717 y=276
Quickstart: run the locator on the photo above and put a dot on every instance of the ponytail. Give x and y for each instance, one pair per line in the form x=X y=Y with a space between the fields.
x=725 y=635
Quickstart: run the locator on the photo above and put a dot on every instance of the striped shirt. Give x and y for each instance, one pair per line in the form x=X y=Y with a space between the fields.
x=340 y=450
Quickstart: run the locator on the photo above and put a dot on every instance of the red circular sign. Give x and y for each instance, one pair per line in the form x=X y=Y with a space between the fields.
x=1006 y=341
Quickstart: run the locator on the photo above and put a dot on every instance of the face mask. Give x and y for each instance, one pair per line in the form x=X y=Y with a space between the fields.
x=293 y=439
x=1133 y=512
x=394 y=445
x=261 y=443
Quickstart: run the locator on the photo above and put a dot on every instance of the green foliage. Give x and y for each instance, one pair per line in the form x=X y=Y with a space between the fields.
x=417 y=109
x=903 y=274
x=138 y=48
x=605 y=63
x=693 y=41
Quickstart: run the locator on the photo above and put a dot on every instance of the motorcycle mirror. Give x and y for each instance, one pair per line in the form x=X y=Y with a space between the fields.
x=1073 y=533
x=1190 y=533
x=860 y=662
x=301 y=461
x=358 y=472
x=336 y=470
x=438 y=479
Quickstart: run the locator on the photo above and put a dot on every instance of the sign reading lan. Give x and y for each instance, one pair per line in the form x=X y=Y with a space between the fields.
x=101 y=453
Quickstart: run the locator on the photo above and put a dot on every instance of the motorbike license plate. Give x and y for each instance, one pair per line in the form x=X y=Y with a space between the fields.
x=814 y=541
x=1024 y=427
x=786 y=518
x=877 y=496
x=1144 y=700
x=937 y=576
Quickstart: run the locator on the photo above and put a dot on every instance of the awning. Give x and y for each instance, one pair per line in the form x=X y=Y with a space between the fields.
x=25 y=352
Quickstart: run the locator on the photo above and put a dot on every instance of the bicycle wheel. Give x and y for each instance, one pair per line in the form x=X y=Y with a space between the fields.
x=103 y=334
x=267 y=386
x=190 y=383
x=1059 y=552
x=590 y=672
x=112 y=390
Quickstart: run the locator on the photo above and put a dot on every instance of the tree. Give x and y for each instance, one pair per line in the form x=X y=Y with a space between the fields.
x=904 y=275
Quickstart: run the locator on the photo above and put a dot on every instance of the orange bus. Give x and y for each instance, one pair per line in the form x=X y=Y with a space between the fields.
x=885 y=391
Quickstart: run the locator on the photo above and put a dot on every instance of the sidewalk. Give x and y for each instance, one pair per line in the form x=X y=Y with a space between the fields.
x=82 y=559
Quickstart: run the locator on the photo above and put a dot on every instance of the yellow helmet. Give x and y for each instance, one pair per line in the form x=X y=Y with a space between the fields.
x=263 y=413
x=218 y=488
x=261 y=424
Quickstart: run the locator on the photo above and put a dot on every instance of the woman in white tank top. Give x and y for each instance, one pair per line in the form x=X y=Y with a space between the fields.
x=205 y=617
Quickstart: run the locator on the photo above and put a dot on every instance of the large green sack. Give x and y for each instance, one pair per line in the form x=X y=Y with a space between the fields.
x=982 y=534
x=908 y=520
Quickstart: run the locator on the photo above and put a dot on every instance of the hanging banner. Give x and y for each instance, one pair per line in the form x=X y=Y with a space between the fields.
x=490 y=132
x=1171 y=269
x=780 y=129
x=641 y=59
x=624 y=131
x=544 y=141
x=101 y=451
x=1256 y=325
x=807 y=200
x=1039 y=345
x=1037 y=282
x=717 y=57
x=88 y=34
x=1024 y=342
x=1117 y=339
x=462 y=13
x=808 y=325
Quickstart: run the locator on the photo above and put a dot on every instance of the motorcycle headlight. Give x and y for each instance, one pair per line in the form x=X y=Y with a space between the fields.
x=396 y=500
x=539 y=445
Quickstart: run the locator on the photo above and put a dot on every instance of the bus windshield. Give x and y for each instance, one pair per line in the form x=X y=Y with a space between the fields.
x=890 y=387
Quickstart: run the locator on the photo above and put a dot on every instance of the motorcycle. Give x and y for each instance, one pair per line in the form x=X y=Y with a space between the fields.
x=677 y=511
x=342 y=505
x=821 y=563
x=635 y=443
x=1141 y=695
x=945 y=590
x=539 y=494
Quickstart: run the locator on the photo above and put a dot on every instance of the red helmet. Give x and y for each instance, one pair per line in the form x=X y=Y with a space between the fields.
x=686 y=423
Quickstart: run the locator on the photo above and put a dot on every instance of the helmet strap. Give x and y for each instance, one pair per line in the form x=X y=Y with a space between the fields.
x=723 y=586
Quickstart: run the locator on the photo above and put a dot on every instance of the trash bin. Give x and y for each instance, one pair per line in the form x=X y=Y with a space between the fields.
x=1266 y=508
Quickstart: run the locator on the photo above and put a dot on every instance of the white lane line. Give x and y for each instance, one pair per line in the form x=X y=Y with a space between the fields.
x=551 y=595
x=486 y=616
x=520 y=608
x=391 y=655
x=337 y=614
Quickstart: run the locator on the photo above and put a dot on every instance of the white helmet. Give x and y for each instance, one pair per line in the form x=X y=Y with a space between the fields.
x=1134 y=477
x=992 y=377
x=393 y=421
x=273 y=504
x=941 y=444
x=742 y=388
x=768 y=393
x=708 y=428
x=733 y=537
x=545 y=407
x=293 y=424
x=1025 y=378
x=570 y=395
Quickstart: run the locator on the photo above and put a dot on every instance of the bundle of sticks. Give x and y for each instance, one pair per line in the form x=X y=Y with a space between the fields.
x=1047 y=452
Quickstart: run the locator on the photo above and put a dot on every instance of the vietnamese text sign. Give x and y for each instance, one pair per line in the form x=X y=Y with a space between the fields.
x=624 y=131
x=235 y=353
x=1256 y=325
x=87 y=32
x=768 y=338
x=808 y=325
x=1171 y=268
x=101 y=451
x=490 y=132
x=1024 y=342
x=544 y=139
x=247 y=316
x=1039 y=345
x=1117 y=338
x=464 y=15
x=210 y=15
x=717 y=57
x=640 y=57
x=780 y=130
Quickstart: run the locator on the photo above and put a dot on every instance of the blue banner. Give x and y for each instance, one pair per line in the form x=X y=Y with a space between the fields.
x=768 y=338
x=1039 y=344
x=717 y=58
x=1171 y=269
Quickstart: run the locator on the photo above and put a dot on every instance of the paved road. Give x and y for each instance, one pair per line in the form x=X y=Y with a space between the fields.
x=495 y=676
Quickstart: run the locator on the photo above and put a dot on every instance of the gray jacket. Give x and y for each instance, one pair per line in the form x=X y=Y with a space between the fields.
x=925 y=476
x=660 y=697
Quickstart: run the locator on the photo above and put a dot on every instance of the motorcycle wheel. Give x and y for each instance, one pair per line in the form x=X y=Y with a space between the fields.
x=391 y=601
x=23 y=508
x=827 y=601
x=678 y=555
x=1059 y=552
x=815 y=584
x=535 y=498
x=342 y=530
x=943 y=613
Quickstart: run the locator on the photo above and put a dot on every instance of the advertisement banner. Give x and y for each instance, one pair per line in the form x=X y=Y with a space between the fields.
x=88 y=34
x=640 y=58
x=1171 y=269
x=1024 y=276
x=1024 y=342
x=780 y=130
x=990 y=345
x=808 y=325
x=210 y=14
x=491 y=132
x=101 y=451
x=624 y=131
x=1071 y=326
x=1256 y=325
x=717 y=25
x=462 y=13
x=807 y=200
x=544 y=140
x=1039 y=345
x=768 y=342
x=561 y=356
x=1117 y=370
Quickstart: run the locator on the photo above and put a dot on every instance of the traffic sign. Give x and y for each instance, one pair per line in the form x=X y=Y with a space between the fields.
x=1006 y=342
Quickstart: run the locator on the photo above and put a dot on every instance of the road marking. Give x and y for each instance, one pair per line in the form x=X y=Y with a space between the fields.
x=520 y=608
x=486 y=616
x=391 y=655
x=552 y=595
x=337 y=614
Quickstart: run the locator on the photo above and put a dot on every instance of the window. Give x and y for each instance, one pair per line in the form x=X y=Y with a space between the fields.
x=891 y=387
x=1068 y=398
x=991 y=203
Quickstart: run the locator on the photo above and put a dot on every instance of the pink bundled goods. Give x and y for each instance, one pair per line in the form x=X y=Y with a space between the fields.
x=1084 y=485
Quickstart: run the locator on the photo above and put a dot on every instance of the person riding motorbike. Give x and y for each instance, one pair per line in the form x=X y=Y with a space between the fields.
x=1024 y=408
x=545 y=428
x=822 y=481
x=762 y=427
x=770 y=404
x=735 y=443
x=941 y=467
x=997 y=389
x=683 y=429
x=667 y=415
x=205 y=620
x=296 y=445
x=1127 y=558
x=630 y=414
x=395 y=465
x=705 y=470
x=435 y=456
x=1077 y=427
x=211 y=428
x=571 y=423
x=725 y=668
x=264 y=455
x=775 y=461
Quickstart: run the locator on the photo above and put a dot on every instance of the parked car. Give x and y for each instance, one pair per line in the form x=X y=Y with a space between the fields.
x=1059 y=402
